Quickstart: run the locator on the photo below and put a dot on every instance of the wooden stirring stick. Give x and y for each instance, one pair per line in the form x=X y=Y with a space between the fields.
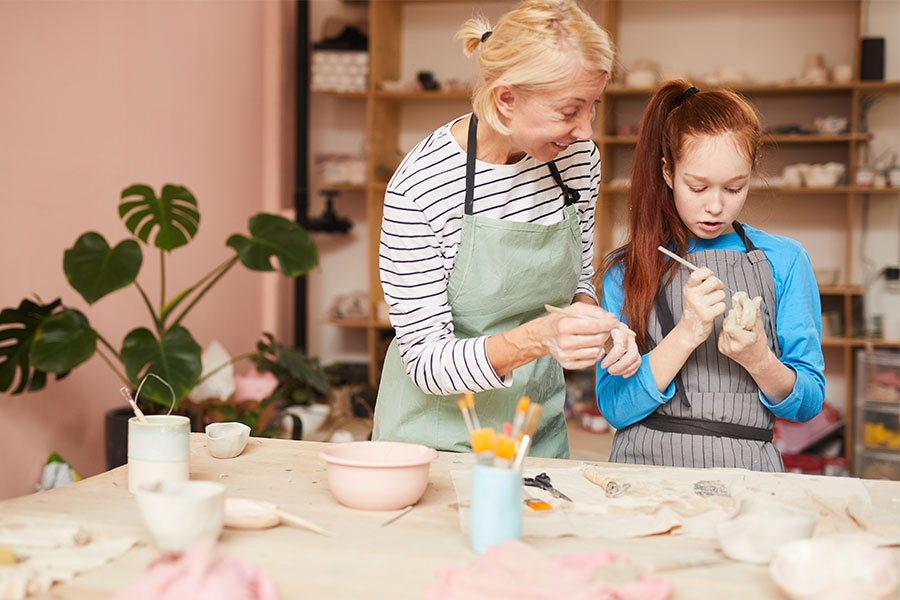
x=689 y=265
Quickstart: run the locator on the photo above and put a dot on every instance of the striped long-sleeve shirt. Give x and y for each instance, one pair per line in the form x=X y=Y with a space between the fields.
x=420 y=235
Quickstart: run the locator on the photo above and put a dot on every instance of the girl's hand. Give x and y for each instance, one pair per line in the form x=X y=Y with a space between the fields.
x=704 y=300
x=577 y=343
x=622 y=355
x=743 y=337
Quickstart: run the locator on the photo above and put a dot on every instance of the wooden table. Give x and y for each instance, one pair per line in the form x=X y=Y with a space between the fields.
x=362 y=559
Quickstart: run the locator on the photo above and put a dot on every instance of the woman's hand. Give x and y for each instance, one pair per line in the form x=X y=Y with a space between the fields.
x=704 y=300
x=743 y=337
x=622 y=354
x=577 y=342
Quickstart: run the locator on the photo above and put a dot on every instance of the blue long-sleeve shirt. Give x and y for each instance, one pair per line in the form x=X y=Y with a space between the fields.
x=798 y=324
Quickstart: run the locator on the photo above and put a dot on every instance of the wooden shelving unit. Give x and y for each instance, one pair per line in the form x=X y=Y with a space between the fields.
x=383 y=109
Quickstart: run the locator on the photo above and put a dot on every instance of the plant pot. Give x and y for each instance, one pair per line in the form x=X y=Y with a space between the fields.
x=116 y=422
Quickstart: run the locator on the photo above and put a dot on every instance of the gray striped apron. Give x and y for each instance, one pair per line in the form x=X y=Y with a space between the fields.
x=716 y=418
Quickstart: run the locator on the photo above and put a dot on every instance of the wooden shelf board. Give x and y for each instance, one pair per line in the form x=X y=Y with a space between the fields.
x=336 y=94
x=462 y=94
x=859 y=342
x=786 y=191
x=343 y=187
x=878 y=86
x=357 y=323
x=840 y=138
x=770 y=88
x=841 y=290
x=348 y=322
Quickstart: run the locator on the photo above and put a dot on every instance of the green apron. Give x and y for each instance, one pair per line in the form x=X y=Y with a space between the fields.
x=504 y=274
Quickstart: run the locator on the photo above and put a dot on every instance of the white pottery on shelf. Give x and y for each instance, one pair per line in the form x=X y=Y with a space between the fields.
x=226 y=440
x=760 y=527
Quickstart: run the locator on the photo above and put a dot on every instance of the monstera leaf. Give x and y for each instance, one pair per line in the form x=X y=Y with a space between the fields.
x=63 y=341
x=175 y=358
x=272 y=235
x=174 y=214
x=95 y=270
x=17 y=330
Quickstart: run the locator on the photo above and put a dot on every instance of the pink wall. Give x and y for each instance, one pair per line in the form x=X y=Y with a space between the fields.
x=99 y=95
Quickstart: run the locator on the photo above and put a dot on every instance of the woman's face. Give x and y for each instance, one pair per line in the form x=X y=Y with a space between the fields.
x=543 y=124
x=710 y=183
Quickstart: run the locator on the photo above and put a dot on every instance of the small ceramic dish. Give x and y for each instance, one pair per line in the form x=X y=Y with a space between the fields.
x=179 y=514
x=378 y=475
x=834 y=567
x=226 y=440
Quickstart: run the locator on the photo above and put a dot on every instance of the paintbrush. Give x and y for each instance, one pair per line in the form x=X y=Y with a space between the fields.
x=689 y=265
x=483 y=445
x=464 y=409
x=519 y=418
x=568 y=313
x=505 y=452
x=470 y=402
x=532 y=417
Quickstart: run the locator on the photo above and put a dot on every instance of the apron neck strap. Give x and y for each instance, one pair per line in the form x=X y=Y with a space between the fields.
x=570 y=196
x=739 y=229
x=470 y=163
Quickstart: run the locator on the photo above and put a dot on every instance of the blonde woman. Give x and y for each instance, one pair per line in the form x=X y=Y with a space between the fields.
x=488 y=219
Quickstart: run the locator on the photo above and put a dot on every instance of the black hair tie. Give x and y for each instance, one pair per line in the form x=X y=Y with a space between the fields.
x=684 y=96
x=485 y=36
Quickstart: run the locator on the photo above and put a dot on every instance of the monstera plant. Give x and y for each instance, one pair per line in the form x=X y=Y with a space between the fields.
x=37 y=338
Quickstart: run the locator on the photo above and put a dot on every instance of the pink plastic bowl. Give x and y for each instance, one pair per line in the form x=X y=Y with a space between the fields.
x=378 y=475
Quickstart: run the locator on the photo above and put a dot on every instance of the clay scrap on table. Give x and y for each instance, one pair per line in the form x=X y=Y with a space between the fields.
x=49 y=554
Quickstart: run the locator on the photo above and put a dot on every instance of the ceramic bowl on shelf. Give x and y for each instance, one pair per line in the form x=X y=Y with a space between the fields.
x=226 y=440
x=378 y=475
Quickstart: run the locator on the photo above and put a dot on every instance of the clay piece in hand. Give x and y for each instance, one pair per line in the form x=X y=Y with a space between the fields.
x=743 y=314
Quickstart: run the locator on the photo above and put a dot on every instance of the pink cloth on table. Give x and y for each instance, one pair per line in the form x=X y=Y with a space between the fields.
x=206 y=572
x=514 y=569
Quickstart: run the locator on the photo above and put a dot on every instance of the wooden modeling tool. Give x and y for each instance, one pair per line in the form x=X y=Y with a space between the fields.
x=470 y=402
x=398 y=515
x=244 y=513
x=519 y=418
x=568 y=313
x=689 y=265
x=137 y=411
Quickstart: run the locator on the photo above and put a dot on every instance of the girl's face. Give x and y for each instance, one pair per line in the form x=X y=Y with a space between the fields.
x=543 y=124
x=710 y=183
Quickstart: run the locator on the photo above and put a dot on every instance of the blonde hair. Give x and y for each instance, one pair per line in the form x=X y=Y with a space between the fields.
x=532 y=48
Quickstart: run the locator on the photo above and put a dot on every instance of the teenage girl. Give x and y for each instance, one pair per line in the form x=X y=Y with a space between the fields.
x=707 y=396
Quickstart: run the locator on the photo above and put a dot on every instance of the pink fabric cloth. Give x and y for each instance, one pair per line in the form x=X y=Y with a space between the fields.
x=206 y=572
x=514 y=569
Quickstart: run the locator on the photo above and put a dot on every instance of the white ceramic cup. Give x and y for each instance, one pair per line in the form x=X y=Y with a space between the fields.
x=158 y=450
x=181 y=513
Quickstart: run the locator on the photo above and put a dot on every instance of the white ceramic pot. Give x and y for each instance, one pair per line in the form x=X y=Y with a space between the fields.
x=158 y=450
x=181 y=513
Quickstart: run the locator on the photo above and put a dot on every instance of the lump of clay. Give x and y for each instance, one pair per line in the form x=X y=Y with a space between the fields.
x=744 y=312
x=760 y=527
